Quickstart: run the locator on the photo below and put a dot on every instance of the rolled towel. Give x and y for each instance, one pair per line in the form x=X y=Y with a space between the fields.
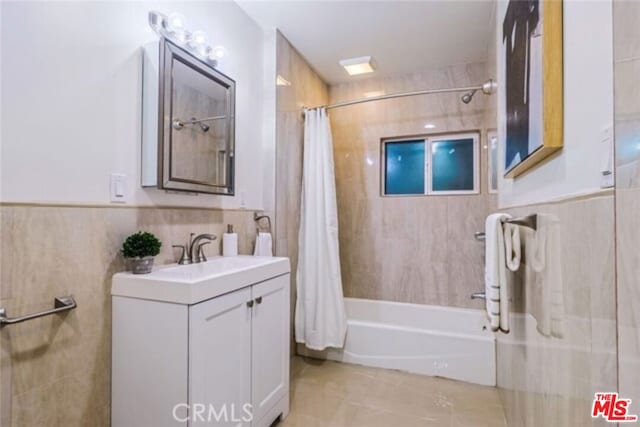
x=543 y=255
x=496 y=291
x=512 y=246
x=264 y=245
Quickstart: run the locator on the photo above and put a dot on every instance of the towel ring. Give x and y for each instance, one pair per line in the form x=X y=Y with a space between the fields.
x=257 y=219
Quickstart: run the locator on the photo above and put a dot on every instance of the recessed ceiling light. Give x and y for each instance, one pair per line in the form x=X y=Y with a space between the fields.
x=281 y=81
x=429 y=126
x=355 y=66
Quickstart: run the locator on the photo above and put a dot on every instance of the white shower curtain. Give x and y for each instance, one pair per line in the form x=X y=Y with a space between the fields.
x=320 y=319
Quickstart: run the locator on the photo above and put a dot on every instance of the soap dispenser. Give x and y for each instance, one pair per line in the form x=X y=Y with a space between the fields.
x=230 y=242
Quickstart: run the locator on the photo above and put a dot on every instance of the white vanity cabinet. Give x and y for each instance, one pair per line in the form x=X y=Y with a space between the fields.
x=181 y=359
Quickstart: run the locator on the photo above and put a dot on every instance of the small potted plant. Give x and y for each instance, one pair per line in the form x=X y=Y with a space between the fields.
x=140 y=248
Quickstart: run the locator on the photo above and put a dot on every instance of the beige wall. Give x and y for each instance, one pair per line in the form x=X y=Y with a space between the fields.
x=562 y=345
x=548 y=376
x=306 y=89
x=55 y=371
x=409 y=249
x=627 y=131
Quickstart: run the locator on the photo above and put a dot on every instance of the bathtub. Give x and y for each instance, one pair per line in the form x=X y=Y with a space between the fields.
x=424 y=339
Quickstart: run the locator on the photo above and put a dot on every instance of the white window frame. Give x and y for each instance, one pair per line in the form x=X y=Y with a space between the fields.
x=490 y=166
x=429 y=140
x=383 y=164
x=475 y=136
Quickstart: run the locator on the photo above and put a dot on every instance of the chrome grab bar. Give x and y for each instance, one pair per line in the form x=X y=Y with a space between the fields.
x=61 y=304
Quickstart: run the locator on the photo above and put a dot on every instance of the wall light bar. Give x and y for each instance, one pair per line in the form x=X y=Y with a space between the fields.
x=173 y=27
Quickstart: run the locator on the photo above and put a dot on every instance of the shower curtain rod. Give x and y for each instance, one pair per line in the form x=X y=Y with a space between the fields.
x=487 y=88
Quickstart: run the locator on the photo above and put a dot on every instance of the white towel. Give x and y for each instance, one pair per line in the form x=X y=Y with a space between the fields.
x=542 y=253
x=512 y=246
x=264 y=245
x=495 y=273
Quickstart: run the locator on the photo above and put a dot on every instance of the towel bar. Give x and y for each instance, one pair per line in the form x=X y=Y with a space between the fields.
x=530 y=221
x=60 y=304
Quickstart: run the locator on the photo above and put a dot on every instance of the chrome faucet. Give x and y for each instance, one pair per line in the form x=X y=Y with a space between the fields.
x=188 y=255
x=198 y=255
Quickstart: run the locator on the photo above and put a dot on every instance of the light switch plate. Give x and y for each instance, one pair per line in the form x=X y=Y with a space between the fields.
x=118 y=188
x=607 y=168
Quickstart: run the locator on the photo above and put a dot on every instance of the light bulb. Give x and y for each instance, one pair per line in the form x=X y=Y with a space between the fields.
x=217 y=52
x=198 y=38
x=175 y=23
x=181 y=36
x=202 y=51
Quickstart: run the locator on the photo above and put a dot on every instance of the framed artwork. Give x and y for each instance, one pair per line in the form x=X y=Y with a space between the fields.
x=531 y=71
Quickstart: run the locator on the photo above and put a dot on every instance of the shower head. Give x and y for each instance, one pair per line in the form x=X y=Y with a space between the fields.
x=467 y=97
x=204 y=127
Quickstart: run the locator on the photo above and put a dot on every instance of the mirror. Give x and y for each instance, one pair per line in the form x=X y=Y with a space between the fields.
x=194 y=149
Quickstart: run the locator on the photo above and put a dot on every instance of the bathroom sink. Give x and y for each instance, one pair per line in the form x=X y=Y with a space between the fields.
x=191 y=284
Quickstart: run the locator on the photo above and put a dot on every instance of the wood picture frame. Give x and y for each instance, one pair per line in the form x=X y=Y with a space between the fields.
x=533 y=76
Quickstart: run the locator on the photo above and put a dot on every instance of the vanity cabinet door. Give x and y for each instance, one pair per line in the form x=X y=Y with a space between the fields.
x=270 y=347
x=220 y=361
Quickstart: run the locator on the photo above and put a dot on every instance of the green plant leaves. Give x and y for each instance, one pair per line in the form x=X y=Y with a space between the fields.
x=141 y=244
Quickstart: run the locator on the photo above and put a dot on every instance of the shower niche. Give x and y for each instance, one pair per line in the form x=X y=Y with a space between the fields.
x=188 y=122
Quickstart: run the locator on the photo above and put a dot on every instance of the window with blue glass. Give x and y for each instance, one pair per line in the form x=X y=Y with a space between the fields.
x=446 y=164
x=404 y=166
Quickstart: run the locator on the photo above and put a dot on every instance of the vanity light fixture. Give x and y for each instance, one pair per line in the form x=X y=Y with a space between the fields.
x=175 y=22
x=218 y=52
x=360 y=65
x=198 y=38
x=173 y=27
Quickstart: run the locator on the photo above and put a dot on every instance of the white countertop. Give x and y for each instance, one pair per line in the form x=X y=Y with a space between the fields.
x=193 y=283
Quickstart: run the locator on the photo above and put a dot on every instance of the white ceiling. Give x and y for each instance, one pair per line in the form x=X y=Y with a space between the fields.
x=401 y=36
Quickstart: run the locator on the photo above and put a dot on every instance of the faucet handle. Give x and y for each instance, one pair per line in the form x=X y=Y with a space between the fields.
x=199 y=256
x=184 y=259
x=189 y=246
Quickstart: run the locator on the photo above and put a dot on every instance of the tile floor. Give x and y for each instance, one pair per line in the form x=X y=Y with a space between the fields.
x=329 y=394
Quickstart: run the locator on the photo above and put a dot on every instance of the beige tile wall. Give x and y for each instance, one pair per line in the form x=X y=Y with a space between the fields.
x=549 y=379
x=626 y=15
x=55 y=371
x=306 y=90
x=409 y=249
